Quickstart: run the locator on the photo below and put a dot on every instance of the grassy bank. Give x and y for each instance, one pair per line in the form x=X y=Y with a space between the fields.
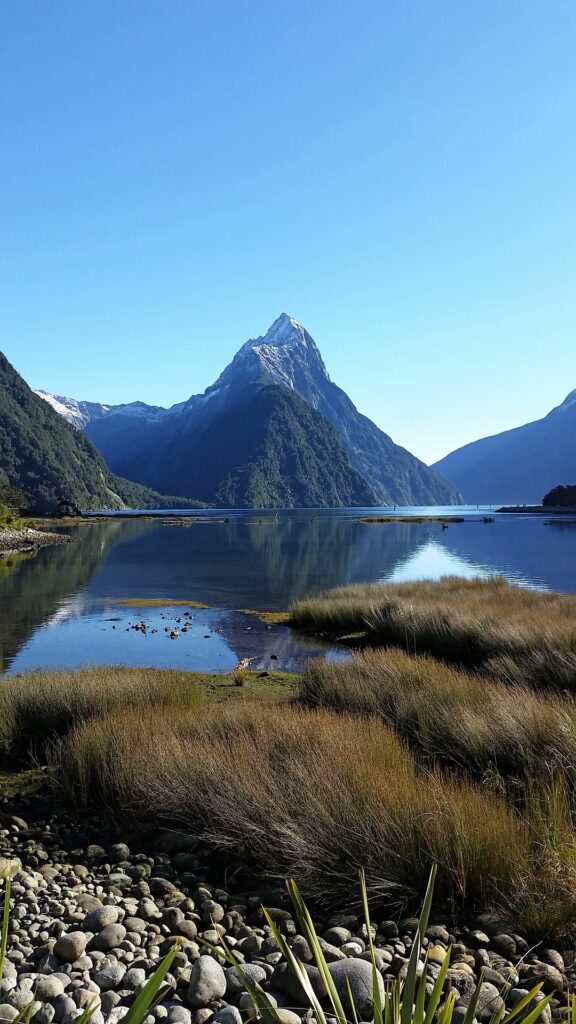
x=392 y=760
x=315 y=796
x=471 y=723
x=37 y=709
x=515 y=634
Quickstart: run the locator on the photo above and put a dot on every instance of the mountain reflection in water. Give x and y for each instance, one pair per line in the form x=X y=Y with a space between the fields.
x=53 y=607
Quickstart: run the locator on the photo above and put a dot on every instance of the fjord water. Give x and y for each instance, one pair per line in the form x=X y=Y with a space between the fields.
x=60 y=608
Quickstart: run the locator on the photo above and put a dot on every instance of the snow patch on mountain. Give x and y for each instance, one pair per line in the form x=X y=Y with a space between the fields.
x=69 y=408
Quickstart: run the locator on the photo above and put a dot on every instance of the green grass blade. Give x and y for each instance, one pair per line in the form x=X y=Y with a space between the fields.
x=353 y=1008
x=409 y=987
x=523 y=1003
x=470 y=1012
x=376 y=996
x=438 y=988
x=427 y=905
x=448 y=1010
x=297 y=969
x=25 y=1014
x=144 y=1000
x=388 y=1004
x=257 y=994
x=88 y=1013
x=5 y=925
x=312 y=939
x=534 y=1014
x=418 y=1017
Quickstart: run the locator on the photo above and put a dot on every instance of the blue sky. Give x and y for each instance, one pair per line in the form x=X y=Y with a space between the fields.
x=399 y=176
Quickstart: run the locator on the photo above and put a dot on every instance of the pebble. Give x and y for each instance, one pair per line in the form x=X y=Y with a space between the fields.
x=70 y=946
x=92 y=920
x=48 y=986
x=207 y=982
x=99 y=918
x=109 y=937
x=358 y=975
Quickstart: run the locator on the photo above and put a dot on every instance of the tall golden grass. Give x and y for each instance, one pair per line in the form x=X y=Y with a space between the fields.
x=37 y=708
x=468 y=721
x=511 y=632
x=316 y=796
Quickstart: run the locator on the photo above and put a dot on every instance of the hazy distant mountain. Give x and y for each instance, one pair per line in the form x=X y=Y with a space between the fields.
x=518 y=466
x=46 y=458
x=138 y=440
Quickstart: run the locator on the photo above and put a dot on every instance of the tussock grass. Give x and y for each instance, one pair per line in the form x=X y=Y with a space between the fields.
x=316 y=796
x=470 y=722
x=36 y=709
x=510 y=632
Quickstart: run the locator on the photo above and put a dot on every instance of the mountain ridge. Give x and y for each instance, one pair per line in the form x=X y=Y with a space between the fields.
x=44 y=456
x=286 y=356
x=519 y=465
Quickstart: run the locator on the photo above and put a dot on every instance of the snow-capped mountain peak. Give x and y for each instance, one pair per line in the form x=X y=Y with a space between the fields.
x=285 y=331
x=69 y=408
x=286 y=355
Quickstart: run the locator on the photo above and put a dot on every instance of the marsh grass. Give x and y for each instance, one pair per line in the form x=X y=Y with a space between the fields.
x=312 y=795
x=38 y=708
x=510 y=632
x=470 y=722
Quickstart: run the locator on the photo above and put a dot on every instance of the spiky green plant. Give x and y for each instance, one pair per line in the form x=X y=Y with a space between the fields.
x=405 y=1000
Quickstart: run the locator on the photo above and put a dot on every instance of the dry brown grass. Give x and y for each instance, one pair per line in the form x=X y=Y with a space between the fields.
x=511 y=632
x=313 y=795
x=36 y=709
x=473 y=723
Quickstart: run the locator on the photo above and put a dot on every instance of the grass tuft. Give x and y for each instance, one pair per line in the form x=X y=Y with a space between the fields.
x=510 y=632
x=316 y=796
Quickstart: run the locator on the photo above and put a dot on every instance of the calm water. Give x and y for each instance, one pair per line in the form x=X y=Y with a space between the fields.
x=60 y=608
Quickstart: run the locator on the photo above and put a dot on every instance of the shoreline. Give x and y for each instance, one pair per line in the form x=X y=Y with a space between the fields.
x=28 y=540
x=539 y=510
x=105 y=904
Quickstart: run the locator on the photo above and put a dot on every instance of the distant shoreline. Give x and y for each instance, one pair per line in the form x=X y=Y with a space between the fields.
x=540 y=510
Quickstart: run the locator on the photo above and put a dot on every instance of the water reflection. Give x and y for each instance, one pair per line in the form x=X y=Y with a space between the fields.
x=53 y=606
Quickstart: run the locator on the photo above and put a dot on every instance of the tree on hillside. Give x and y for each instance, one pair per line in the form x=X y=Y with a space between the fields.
x=563 y=496
x=14 y=498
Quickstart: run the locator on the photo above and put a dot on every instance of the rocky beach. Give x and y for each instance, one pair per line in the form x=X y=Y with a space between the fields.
x=94 y=913
x=28 y=539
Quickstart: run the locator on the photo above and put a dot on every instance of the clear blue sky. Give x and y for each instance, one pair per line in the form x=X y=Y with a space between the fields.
x=397 y=174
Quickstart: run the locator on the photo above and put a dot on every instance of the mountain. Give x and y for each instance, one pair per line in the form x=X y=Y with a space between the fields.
x=517 y=466
x=268 y=450
x=48 y=459
x=136 y=439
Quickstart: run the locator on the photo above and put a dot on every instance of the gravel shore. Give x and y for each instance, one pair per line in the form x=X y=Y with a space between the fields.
x=92 y=917
x=28 y=539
